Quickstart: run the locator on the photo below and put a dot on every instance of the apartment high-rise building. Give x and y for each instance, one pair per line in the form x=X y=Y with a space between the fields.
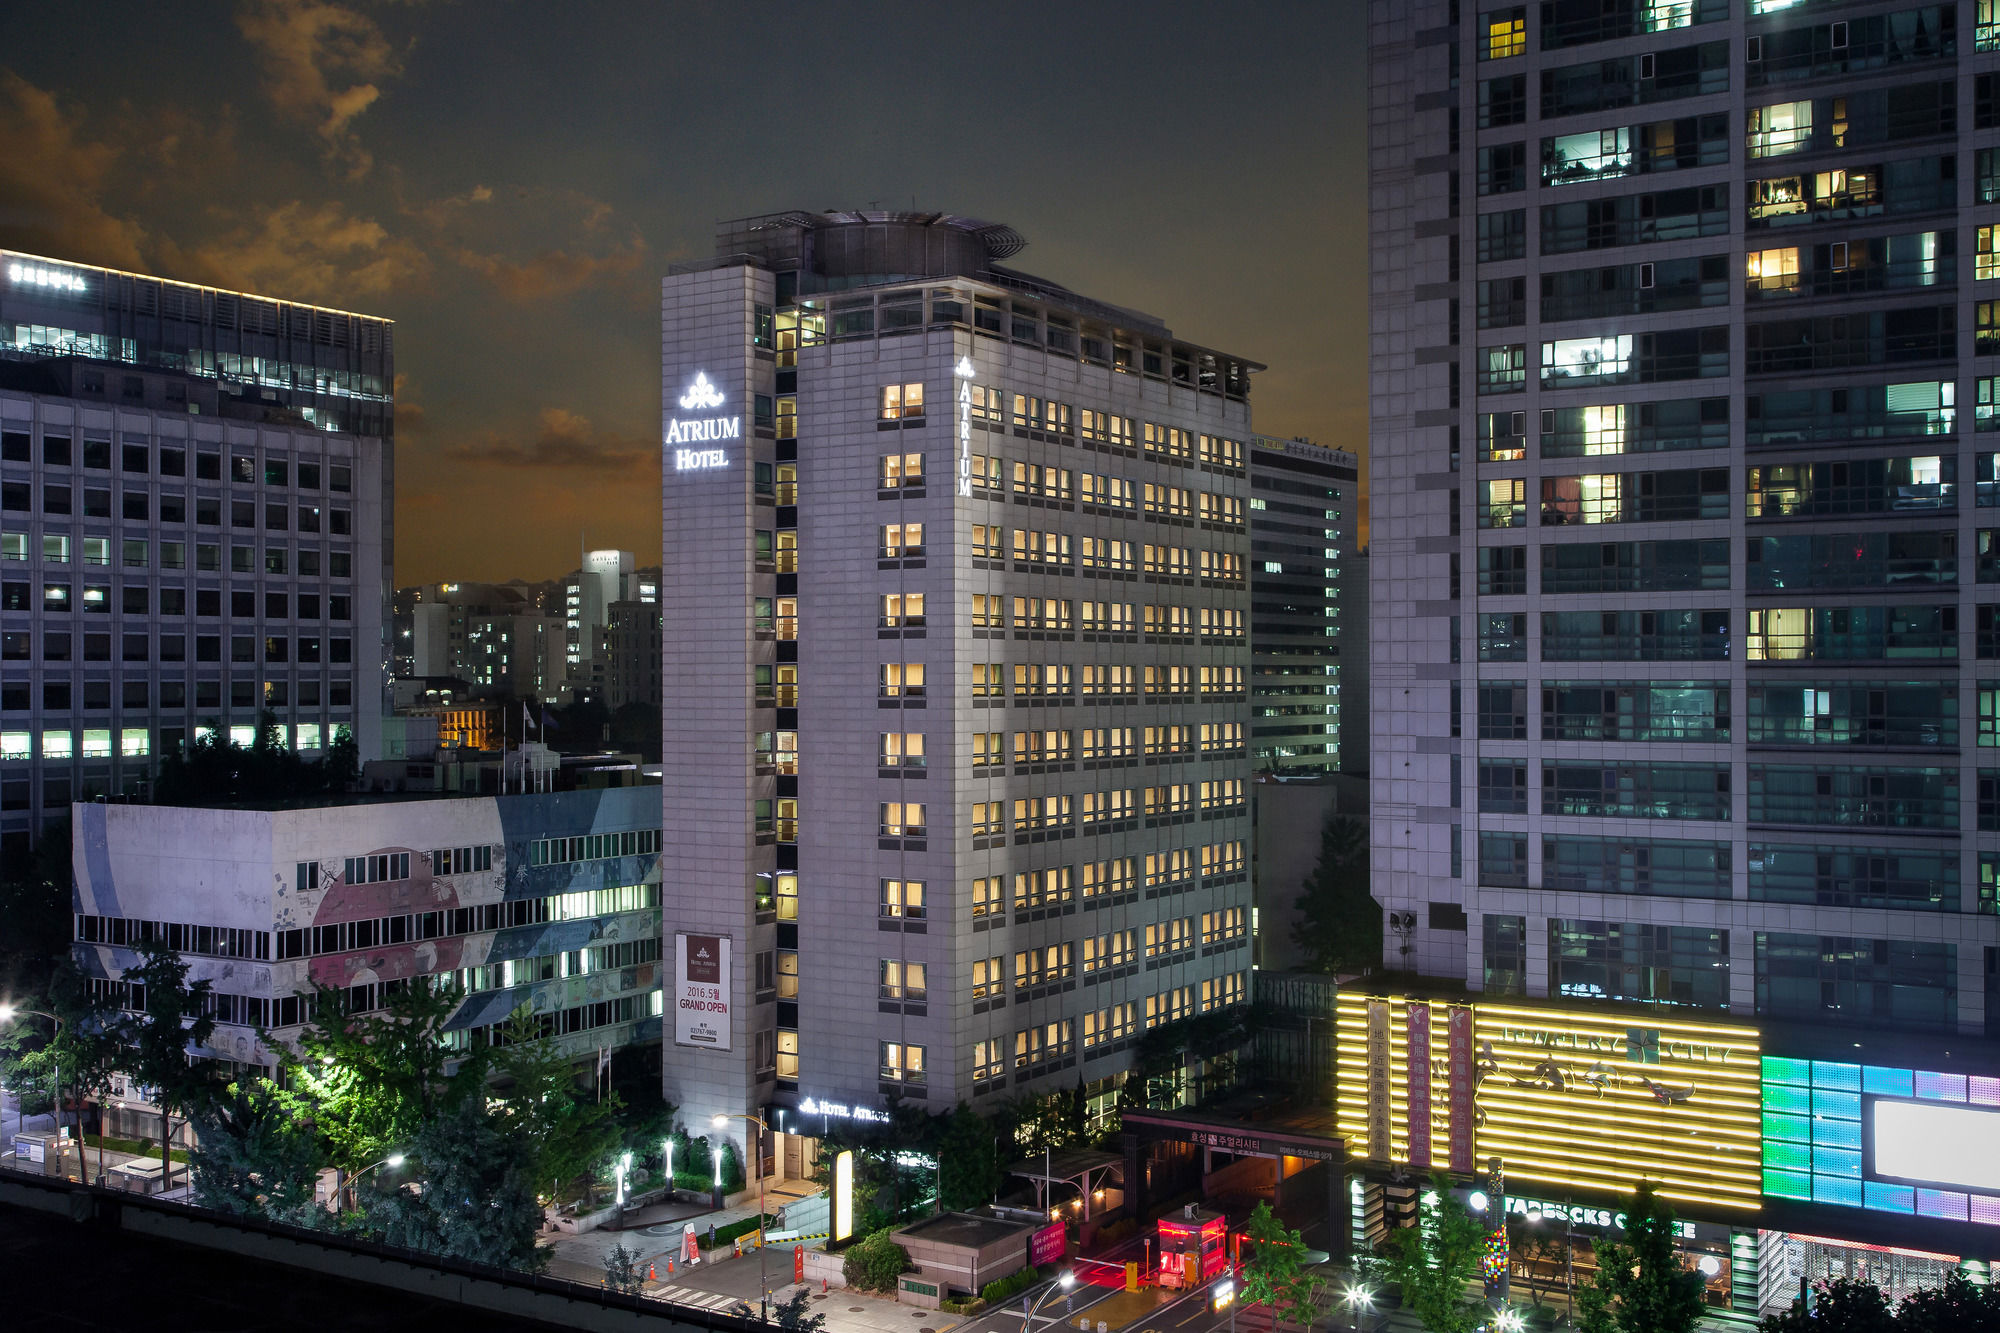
x=196 y=526
x=603 y=578
x=1301 y=510
x=955 y=667
x=1682 y=378
x=492 y=636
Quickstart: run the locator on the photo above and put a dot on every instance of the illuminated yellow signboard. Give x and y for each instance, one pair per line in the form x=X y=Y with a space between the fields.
x=1572 y=1100
x=843 y=1196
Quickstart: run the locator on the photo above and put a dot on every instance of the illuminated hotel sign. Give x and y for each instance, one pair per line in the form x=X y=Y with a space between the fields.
x=964 y=372
x=842 y=1111
x=37 y=275
x=701 y=396
x=1569 y=1100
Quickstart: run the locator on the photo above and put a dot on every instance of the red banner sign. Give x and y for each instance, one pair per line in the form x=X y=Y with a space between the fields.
x=798 y=1263
x=1459 y=1043
x=1419 y=1076
x=1046 y=1246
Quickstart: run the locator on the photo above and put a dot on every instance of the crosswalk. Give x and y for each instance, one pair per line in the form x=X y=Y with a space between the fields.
x=679 y=1295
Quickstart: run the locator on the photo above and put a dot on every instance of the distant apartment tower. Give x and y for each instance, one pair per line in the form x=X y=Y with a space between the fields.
x=1681 y=399
x=1301 y=513
x=492 y=636
x=196 y=526
x=631 y=657
x=955 y=660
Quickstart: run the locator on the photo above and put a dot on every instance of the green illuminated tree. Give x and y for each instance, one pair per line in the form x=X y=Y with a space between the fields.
x=791 y=1314
x=1275 y=1275
x=622 y=1273
x=1434 y=1261
x=1641 y=1284
x=370 y=1082
x=254 y=1158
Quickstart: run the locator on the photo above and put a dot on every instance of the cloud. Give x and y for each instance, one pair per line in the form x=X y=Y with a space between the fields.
x=308 y=252
x=553 y=273
x=52 y=182
x=324 y=64
x=412 y=418
x=563 y=441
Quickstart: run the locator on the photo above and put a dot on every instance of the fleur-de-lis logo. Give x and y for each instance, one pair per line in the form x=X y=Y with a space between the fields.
x=701 y=394
x=964 y=368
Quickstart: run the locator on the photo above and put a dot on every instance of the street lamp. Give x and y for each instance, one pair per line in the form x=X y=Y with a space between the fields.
x=8 y=1013
x=1065 y=1281
x=1508 y=1321
x=763 y=1289
x=1359 y=1301
x=394 y=1159
x=1224 y=1293
x=668 y=1146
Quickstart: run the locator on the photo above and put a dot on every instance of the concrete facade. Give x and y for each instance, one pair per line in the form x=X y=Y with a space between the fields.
x=796 y=741
x=196 y=525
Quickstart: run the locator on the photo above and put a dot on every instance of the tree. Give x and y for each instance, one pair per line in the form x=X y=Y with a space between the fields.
x=964 y=1143
x=1641 y=1286
x=478 y=1195
x=370 y=1082
x=1541 y=1251
x=35 y=904
x=791 y=1315
x=1340 y=924
x=72 y=1059
x=251 y=1157
x=621 y=1271
x=1275 y=1276
x=1959 y=1306
x=1842 y=1306
x=168 y=1014
x=1434 y=1261
x=568 y=1136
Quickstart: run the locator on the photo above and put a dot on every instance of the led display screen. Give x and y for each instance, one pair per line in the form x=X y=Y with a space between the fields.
x=1938 y=1143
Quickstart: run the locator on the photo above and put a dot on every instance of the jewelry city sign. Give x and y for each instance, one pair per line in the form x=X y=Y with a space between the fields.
x=1569 y=1098
x=701 y=396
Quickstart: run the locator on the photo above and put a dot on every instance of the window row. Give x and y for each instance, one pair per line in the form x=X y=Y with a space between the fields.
x=140 y=599
x=61 y=646
x=137 y=457
x=136 y=553
x=346 y=936
x=141 y=507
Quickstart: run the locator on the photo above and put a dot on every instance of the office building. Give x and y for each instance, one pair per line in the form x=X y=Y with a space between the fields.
x=549 y=900
x=196 y=526
x=1301 y=512
x=631 y=658
x=955 y=664
x=492 y=636
x=1354 y=663
x=1682 y=377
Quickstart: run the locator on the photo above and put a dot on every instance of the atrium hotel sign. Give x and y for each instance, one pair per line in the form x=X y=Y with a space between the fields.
x=696 y=440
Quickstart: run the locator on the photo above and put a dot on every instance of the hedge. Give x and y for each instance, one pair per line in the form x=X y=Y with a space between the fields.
x=995 y=1292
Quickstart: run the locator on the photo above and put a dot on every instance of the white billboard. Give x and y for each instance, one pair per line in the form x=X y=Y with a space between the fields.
x=1943 y=1143
x=701 y=991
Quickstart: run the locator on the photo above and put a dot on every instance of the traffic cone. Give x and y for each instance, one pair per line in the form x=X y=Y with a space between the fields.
x=651 y=1275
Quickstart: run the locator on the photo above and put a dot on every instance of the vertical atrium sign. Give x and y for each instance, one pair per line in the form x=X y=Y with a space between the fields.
x=701 y=396
x=964 y=372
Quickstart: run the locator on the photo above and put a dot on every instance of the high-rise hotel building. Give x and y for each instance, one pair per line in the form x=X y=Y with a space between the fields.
x=955 y=665
x=196 y=526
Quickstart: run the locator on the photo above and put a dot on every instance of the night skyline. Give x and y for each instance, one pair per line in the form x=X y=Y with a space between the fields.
x=514 y=213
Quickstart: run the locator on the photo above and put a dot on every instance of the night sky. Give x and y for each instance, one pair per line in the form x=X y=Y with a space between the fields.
x=509 y=182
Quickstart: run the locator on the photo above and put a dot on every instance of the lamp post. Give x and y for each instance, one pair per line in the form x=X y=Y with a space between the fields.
x=394 y=1159
x=1359 y=1300
x=624 y=1173
x=1065 y=1282
x=667 y=1146
x=763 y=1289
x=8 y=1013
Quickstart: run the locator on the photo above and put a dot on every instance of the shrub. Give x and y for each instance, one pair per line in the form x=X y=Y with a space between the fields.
x=1012 y=1285
x=969 y=1305
x=874 y=1263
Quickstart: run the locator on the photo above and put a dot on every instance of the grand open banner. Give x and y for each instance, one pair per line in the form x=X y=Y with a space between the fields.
x=701 y=990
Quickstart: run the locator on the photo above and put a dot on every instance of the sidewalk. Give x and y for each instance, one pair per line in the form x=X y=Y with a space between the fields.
x=655 y=1232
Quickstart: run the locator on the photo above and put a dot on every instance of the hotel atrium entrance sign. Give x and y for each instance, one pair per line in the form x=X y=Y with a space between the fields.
x=701 y=396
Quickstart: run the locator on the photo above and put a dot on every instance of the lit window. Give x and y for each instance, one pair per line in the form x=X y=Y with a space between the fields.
x=902 y=470
x=17 y=745
x=134 y=743
x=902 y=1063
x=902 y=539
x=902 y=402
x=903 y=819
x=1503 y=33
x=1773 y=270
x=1986 y=263
x=903 y=898
x=243 y=736
x=97 y=744
x=1777 y=130
x=57 y=745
